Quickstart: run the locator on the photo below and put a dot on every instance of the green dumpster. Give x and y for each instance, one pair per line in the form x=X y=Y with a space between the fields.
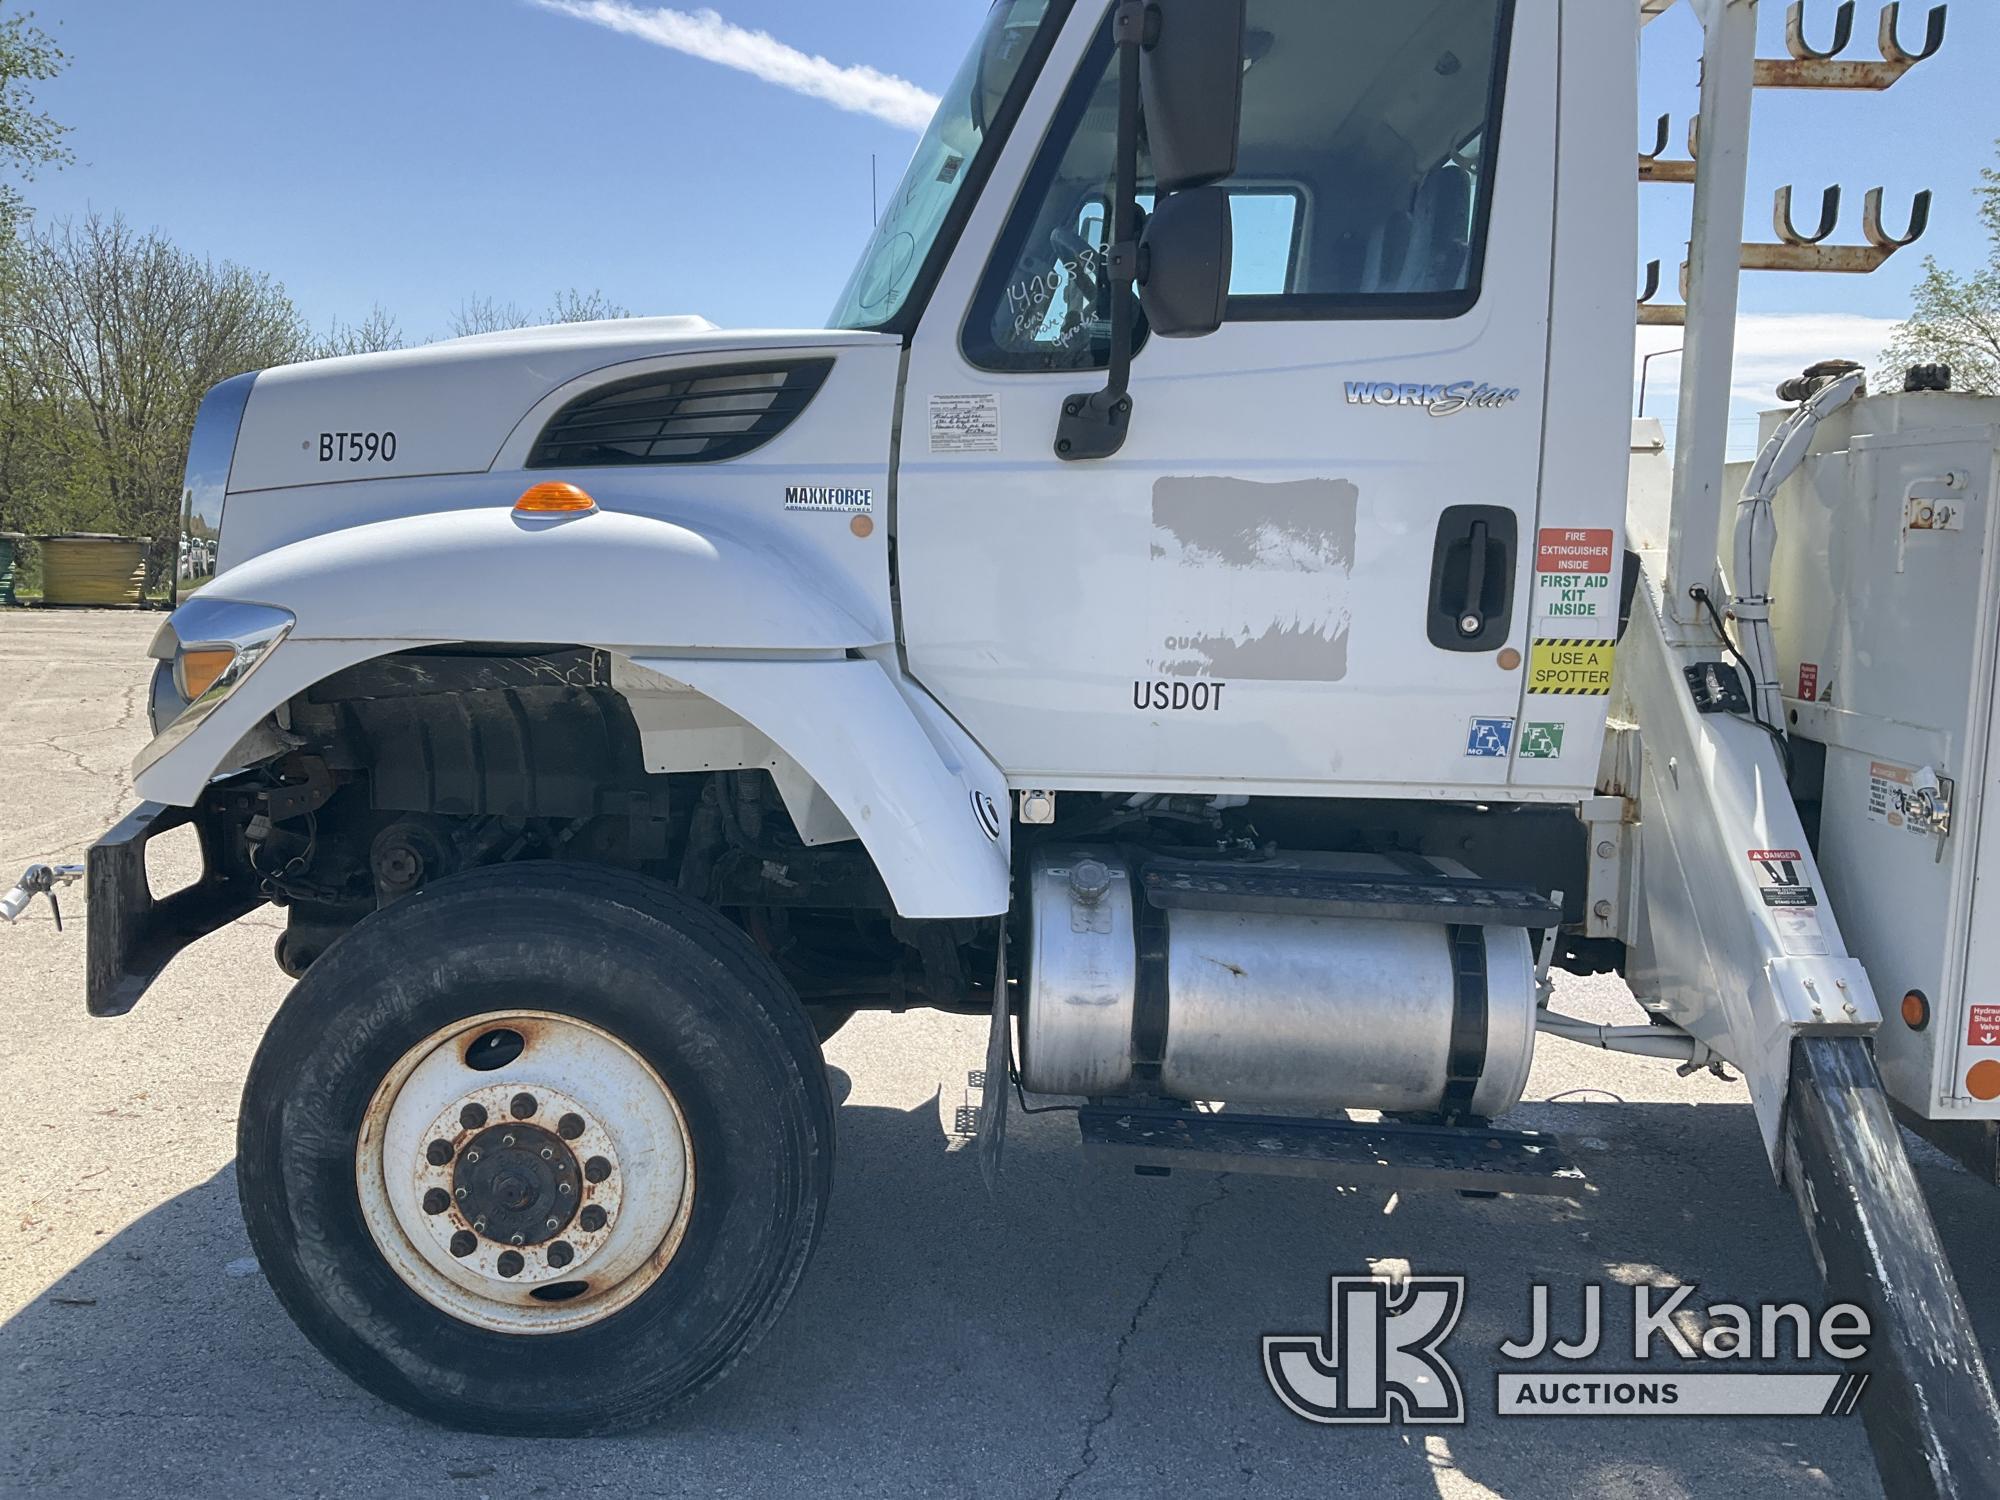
x=10 y=551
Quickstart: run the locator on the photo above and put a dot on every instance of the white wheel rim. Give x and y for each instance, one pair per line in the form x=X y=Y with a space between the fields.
x=525 y=1223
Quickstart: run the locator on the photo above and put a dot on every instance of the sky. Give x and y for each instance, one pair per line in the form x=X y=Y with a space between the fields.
x=415 y=155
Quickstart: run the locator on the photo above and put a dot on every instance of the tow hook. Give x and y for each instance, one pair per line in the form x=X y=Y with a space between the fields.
x=39 y=880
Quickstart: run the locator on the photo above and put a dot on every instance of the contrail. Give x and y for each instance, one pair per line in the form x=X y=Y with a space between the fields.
x=704 y=34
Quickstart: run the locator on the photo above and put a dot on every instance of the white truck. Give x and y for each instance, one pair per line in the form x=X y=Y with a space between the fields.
x=1221 y=651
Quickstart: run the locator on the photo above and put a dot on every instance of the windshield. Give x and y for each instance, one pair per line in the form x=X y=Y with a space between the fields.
x=971 y=109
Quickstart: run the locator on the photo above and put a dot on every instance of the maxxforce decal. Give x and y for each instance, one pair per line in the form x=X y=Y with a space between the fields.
x=827 y=497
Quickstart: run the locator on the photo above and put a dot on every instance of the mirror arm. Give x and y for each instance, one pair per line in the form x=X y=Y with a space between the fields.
x=1093 y=423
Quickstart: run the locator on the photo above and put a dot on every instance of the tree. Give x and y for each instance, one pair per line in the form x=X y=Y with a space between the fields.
x=28 y=138
x=484 y=315
x=374 y=333
x=1955 y=319
x=114 y=336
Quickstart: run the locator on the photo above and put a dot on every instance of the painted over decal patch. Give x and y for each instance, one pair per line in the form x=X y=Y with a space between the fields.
x=1250 y=580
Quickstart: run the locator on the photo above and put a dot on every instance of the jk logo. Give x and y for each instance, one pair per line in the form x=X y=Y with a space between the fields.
x=1379 y=1360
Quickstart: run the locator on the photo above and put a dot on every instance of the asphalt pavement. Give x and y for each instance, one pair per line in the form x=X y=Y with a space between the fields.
x=1080 y=1333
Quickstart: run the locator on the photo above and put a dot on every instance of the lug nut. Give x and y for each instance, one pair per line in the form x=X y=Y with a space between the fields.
x=570 y=1126
x=510 y=1263
x=473 y=1116
x=437 y=1153
x=524 y=1106
x=464 y=1243
x=592 y=1217
x=560 y=1254
x=436 y=1201
x=597 y=1169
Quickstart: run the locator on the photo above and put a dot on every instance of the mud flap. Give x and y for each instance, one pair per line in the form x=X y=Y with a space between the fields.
x=1930 y=1409
x=999 y=1072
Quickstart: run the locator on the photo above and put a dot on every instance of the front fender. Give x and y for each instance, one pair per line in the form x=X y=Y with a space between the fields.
x=610 y=576
x=924 y=800
x=631 y=584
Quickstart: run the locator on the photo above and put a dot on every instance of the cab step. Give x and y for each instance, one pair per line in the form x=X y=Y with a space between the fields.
x=1352 y=1152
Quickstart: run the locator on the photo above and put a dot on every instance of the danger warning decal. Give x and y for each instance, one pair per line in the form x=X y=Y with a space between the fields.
x=1576 y=668
x=1781 y=878
x=1781 y=882
x=1982 y=1026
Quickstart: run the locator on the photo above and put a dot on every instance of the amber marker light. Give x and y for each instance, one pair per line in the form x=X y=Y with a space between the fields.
x=1916 y=1010
x=554 y=497
x=199 y=667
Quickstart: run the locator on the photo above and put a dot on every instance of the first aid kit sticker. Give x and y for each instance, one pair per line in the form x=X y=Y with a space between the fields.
x=1573 y=579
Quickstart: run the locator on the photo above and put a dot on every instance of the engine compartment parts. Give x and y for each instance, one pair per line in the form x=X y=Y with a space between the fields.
x=1420 y=1011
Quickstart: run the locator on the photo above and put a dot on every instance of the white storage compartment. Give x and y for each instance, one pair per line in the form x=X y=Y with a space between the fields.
x=1886 y=610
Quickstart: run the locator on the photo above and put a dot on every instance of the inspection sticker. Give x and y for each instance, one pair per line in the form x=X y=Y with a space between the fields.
x=1571 y=667
x=965 y=424
x=1573 y=574
x=1982 y=1026
x=1542 y=741
x=1781 y=877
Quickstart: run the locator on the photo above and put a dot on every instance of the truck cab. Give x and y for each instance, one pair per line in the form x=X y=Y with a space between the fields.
x=1171 y=611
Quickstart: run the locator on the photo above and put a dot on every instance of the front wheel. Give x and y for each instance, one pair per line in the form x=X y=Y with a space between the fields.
x=541 y=1150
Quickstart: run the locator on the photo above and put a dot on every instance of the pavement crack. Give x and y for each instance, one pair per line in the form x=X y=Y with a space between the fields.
x=1086 y=1458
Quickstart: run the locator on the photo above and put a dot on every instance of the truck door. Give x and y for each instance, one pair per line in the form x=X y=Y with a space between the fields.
x=1310 y=563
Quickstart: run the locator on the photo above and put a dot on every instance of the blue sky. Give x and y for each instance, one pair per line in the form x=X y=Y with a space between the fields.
x=417 y=152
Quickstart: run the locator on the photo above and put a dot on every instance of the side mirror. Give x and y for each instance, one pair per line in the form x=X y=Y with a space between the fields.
x=1191 y=81
x=1184 y=259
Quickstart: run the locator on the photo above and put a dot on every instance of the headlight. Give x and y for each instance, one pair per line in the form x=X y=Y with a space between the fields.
x=207 y=648
x=206 y=485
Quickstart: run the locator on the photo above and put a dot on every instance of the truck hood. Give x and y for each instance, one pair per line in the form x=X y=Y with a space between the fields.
x=448 y=408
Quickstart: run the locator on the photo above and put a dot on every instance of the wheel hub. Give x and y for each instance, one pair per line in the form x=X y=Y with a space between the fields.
x=525 y=1171
x=520 y=1180
x=518 y=1184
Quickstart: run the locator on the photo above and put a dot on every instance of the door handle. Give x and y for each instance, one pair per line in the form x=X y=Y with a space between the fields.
x=1472 y=578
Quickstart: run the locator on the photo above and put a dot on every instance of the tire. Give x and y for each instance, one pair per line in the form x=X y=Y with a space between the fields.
x=694 y=1007
x=827 y=1019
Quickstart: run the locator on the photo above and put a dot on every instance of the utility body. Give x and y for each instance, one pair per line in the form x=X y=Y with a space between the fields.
x=1201 y=603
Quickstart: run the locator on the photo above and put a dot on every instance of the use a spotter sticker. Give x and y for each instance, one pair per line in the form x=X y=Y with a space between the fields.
x=1573 y=668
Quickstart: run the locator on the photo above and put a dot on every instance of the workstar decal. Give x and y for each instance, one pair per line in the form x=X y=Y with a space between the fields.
x=1446 y=400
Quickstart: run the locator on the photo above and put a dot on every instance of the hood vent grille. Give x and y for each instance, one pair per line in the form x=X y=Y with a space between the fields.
x=680 y=417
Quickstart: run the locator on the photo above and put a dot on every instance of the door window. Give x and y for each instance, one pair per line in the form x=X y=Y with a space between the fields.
x=1361 y=191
